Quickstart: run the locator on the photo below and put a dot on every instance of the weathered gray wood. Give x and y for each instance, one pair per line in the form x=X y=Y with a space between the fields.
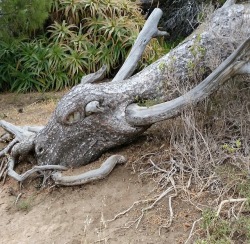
x=228 y=3
x=236 y=63
x=89 y=176
x=149 y=31
x=24 y=176
x=94 y=77
x=82 y=142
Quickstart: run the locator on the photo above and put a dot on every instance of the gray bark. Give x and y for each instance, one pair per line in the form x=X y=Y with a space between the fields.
x=149 y=31
x=80 y=142
x=95 y=174
x=236 y=63
x=92 y=118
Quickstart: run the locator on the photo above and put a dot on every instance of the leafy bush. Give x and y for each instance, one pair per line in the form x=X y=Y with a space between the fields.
x=21 y=18
x=83 y=36
x=102 y=30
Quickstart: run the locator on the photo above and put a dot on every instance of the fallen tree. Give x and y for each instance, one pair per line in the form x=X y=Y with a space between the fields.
x=94 y=117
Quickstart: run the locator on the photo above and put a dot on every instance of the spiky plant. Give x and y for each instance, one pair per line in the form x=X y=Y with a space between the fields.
x=83 y=36
x=102 y=30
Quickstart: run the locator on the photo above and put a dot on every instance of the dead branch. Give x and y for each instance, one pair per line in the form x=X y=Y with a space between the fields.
x=232 y=200
x=192 y=230
x=91 y=175
x=141 y=116
x=3 y=169
x=138 y=220
x=22 y=177
x=18 y=197
x=127 y=210
x=149 y=31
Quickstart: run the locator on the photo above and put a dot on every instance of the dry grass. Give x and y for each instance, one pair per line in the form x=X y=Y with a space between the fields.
x=205 y=151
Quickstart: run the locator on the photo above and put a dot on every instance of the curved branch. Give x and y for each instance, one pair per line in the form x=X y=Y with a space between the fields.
x=13 y=129
x=22 y=177
x=8 y=148
x=94 y=77
x=228 y=3
x=141 y=116
x=34 y=129
x=21 y=132
x=91 y=175
x=149 y=31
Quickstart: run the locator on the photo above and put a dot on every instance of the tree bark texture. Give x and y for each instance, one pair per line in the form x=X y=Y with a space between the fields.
x=73 y=138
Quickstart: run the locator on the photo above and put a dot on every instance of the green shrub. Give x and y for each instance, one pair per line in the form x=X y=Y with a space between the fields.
x=22 y=18
x=84 y=35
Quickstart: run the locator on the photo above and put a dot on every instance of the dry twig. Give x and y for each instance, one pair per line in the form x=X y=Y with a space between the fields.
x=232 y=200
x=192 y=230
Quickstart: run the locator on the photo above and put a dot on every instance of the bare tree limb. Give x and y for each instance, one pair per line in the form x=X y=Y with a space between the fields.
x=91 y=175
x=8 y=148
x=141 y=116
x=94 y=77
x=3 y=170
x=20 y=132
x=228 y=3
x=229 y=201
x=25 y=175
x=149 y=31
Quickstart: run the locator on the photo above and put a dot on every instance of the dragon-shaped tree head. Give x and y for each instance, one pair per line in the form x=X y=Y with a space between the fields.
x=89 y=120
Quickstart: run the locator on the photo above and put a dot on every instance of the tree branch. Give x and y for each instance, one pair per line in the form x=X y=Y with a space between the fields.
x=141 y=116
x=94 y=77
x=91 y=175
x=25 y=175
x=149 y=31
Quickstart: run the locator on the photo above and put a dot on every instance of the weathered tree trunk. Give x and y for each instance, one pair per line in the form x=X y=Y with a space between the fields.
x=93 y=118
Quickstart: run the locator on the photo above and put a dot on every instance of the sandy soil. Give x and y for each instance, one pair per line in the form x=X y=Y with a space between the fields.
x=79 y=214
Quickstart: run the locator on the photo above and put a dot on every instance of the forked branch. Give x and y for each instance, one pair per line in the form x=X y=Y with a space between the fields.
x=149 y=31
x=236 y=63
x=28 y=173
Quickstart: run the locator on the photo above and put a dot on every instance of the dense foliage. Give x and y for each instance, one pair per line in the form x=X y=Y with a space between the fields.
x=77 y=38
x=22 y=18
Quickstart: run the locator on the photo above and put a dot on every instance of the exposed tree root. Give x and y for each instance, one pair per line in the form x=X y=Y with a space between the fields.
x=192 y=230
x=138 y=220
x=20 y=132
x=91 y=175
x=127 y=210
x=22 y=177
x=22 y=145
x=232 y=200
x=18 y=197
x=8 y=148
x=3 y=169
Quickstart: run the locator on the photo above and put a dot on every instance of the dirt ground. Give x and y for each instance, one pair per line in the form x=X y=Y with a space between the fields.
x=79 y=214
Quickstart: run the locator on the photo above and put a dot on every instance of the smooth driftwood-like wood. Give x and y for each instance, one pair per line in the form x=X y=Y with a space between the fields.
x=75 y=137
x=91 y=175
x=94 y=77
x=24 y=176
x=149 y=31
x=141 y=116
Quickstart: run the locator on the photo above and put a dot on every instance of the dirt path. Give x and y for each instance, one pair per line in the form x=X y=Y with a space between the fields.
x=79 y=214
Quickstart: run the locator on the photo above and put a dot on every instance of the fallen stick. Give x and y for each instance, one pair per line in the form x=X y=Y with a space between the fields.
x=232 y=200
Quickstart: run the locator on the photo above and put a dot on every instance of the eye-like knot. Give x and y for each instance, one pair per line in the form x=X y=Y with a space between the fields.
x=39 y=150
x=93 y=107
x=72 y=118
